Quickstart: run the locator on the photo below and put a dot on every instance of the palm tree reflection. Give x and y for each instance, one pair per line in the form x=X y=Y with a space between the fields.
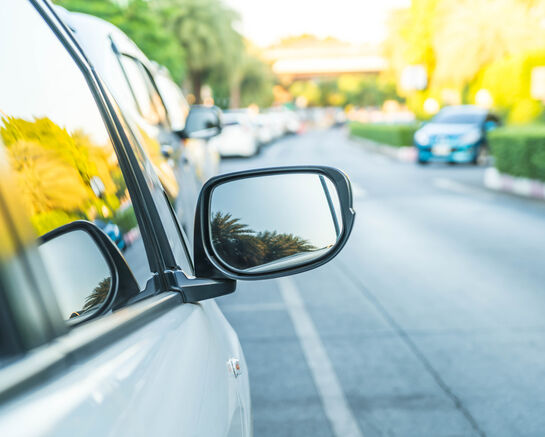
x=97 y=296
x=245 y=248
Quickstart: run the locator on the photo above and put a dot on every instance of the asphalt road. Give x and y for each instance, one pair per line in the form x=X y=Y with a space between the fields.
x=431 y=321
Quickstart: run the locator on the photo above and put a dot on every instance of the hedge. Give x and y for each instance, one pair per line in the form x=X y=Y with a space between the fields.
x=519 y=150
x=393 y=134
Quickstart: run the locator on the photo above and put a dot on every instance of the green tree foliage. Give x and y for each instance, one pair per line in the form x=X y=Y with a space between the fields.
x=205 y=29
x=256 y=82
x=142 y=23
x=353 y=89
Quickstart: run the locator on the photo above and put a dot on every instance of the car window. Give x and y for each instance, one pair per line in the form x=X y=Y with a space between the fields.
x=176 y=104
x=57 y=145
x=459 y=117
x=147 y=98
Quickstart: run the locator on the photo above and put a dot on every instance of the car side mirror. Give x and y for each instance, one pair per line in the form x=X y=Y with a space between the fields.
x=88 y=273
x=203 y=122
x=271 y=222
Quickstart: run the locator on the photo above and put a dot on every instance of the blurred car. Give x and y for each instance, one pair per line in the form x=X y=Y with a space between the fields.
x=457 y=134
x=238 y=137
x=264 y=131
x=129 y=75
x=112 y=231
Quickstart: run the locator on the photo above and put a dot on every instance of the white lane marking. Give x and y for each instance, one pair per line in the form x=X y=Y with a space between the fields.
x=359 y=192
x=457 y=187
x=449 y=184
x=246 y=307
x=334 y=401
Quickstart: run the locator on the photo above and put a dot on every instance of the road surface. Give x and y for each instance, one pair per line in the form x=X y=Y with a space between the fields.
x=431 y=321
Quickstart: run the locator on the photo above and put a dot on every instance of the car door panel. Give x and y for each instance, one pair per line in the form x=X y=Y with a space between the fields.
x=168 y=378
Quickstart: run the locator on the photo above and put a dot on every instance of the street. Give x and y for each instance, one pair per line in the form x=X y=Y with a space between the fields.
x=429 y=323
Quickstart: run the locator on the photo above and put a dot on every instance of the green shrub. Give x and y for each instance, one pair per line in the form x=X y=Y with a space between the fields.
x=125 y=219
x=393 y=134
x=519 y=150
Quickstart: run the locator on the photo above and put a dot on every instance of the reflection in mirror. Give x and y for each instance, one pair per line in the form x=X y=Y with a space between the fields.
x=272 y=222
x=81 y=278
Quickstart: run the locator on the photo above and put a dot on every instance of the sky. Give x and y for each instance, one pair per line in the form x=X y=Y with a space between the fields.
x=357 y=21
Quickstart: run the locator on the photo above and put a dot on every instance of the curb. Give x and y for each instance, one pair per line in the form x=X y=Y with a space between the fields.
x=525 y=187
x=404 y=153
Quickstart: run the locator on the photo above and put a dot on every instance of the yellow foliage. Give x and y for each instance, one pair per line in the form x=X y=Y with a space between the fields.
x=525 y=111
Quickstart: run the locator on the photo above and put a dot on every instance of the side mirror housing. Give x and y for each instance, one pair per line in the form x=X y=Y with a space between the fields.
x=203 y=122
x=88 y=272
x=273 y=222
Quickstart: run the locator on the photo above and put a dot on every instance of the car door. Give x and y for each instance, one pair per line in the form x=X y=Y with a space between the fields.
x=153 y=365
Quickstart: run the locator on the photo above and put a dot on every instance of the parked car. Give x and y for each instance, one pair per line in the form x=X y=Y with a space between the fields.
x=112 y=230
x=238 y=137
x=99 y=342
x=201 y=153
x=457 y=134
x=264 y=129
x=154 y=105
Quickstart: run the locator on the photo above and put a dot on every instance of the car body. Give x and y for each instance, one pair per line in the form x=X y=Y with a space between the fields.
x=457 y=134
x=264 y=129
x=154 y=104
x=99 y=341
x=238 y=136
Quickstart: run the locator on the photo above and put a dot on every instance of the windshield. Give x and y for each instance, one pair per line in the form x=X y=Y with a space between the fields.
x=458 y=117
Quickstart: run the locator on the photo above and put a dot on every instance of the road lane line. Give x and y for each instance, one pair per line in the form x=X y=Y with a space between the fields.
x=457 y=187
x=252 y=307
x=333 y=399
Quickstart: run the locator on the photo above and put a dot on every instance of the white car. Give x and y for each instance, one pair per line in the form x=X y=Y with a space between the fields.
x=124 y=338
x=238 y=136
x=156 y=107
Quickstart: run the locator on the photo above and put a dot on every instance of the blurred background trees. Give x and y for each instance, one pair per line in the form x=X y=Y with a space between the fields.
x=471 y=51
x=196 y=40
x=474 y=51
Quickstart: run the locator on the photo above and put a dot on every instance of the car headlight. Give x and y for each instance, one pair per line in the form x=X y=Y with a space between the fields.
x=470 y=137
x=421 y=138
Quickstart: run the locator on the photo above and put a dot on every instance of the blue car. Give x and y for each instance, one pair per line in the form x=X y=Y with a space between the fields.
x=457 y=134
x=112 y=231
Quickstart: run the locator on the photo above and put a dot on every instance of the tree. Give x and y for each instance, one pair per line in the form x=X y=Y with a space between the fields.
x=142 y=23
x=205 y=30
x=98 y=295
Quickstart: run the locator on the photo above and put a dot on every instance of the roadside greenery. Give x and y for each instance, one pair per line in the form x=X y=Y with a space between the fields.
x=398 y=135
x=347 y=89
x=474 y=51
x=519 y=150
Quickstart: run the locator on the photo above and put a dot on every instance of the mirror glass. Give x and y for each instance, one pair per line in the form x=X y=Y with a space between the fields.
x=80 y=276
x=273 y=222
